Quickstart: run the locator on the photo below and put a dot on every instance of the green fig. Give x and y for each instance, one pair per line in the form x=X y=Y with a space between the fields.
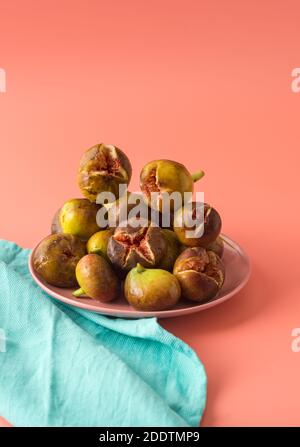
x=151 y=289
x=56 y=257
x=103 y=168
x=210 y=225
x=96 y=279
x=79 y=217
x=97 y=243
x=172 y=251
x=200 y=273
x=166 y=176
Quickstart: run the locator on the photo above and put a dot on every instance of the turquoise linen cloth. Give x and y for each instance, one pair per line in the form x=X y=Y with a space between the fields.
x=61 y=366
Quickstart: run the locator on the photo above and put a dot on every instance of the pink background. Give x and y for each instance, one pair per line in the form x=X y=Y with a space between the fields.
x=207 y=83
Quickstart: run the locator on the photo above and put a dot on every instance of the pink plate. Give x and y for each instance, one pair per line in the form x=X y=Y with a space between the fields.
x=237 y=268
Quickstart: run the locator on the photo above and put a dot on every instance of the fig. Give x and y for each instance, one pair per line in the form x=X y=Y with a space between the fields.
x=151 y=289
x=77 y=217
x=172 y=251
x=166 y=176
x=96 y=279
x=97 y=243
x=55 y=224
x=102 y=168
x=210 y=224
x=129 y=245
x=56 y=257
x=217 y=246
x=200 y=273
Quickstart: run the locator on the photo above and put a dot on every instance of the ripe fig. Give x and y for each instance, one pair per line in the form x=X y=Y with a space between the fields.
x=166 y=176
x=103 y=168
x=77 y=217
x=129 y=245
x=56 y=257
x=210 y=224
x=217 y=246
x=172 y=251
x=151 y=289
x=96 y=279
x=97 y=243
x=200 y=273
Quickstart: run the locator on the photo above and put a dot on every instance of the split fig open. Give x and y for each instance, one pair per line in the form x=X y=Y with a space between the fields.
x=103 y=168
x=166 y=176
x=129 y=245
x=209 y=223
x=201 y=274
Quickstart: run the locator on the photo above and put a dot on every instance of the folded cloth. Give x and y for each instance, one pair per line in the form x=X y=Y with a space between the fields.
x=61 y=366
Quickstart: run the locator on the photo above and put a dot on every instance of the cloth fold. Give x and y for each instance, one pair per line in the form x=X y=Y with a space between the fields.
x=61 y=366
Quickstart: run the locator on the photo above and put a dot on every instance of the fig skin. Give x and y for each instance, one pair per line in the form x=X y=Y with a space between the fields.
x=102 y=168
x=128 y=246
x=151 y=289
x=96 y=279
x=97 y=244
x=172 y=252
x=55 y=225
x=166 y=176
x=212 y=227
x=56 y=257
x=200 y=273
x=77 y=217
x=217 y=246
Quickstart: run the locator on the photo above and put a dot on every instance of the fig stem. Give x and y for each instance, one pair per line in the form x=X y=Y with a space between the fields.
x=197 y=176
x=139 y=268
x=78 y=292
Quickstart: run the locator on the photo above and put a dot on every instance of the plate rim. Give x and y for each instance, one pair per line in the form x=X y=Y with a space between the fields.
x=135 y=314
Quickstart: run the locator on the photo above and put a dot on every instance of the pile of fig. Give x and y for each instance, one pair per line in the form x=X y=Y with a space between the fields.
x=154 y=257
